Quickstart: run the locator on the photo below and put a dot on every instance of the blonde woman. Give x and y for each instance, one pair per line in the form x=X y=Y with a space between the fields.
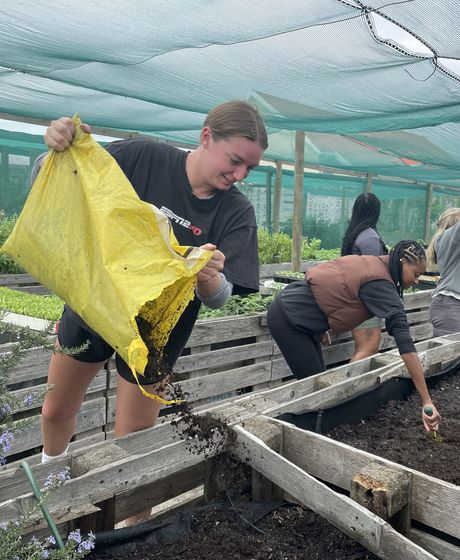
x=444 y=253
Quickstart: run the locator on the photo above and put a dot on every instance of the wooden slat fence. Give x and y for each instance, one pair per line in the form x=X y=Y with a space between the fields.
x=226 y=357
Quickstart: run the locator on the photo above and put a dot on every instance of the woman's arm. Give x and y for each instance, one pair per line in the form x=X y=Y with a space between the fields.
x=415 y=369
x=381 y=298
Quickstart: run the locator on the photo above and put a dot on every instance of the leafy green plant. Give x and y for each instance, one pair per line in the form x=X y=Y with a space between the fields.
x=237 y=305
x=327 y=254
x=277 y=247
x=289 y=274
x=330 y=233
x=7 y=265
x=13 y=545
x=44 y=307
x=274 y=247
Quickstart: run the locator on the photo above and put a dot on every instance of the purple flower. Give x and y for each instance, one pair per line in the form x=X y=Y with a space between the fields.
x=57 y=479
x=75 y=536
x=5 y=410
x=5 y=441
x=29 y=399
x=51 y=540
x=88 y=544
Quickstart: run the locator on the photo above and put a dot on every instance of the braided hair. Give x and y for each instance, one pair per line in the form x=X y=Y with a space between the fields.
x=411 y=252
x=365 y=214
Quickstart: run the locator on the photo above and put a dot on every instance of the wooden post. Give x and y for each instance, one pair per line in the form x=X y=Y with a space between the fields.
x=368 y=187
x=386 y=492
x=277 y=197
x=104 y=519
x=429 y=204
x=298 y=197
x=5 y=196
x=262 y=489
x=268 y=202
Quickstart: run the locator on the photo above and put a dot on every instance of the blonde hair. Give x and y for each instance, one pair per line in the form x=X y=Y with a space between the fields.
x=237 y=118
x=445 y=221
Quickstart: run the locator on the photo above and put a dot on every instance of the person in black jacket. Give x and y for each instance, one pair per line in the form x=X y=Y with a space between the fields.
x=340 y=294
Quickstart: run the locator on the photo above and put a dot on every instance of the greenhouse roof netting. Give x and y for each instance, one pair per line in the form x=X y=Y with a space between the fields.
x=375 y=84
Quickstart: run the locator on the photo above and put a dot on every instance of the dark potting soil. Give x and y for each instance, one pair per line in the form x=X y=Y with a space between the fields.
x=394 y=432
x=287 y=533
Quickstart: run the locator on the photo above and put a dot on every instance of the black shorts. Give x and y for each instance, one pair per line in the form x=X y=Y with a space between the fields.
x=74 y=332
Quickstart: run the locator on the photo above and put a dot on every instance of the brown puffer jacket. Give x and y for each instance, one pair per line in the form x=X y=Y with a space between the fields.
x=335 y=286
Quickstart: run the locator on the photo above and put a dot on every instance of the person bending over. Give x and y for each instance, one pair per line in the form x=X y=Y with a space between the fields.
x=338 y=295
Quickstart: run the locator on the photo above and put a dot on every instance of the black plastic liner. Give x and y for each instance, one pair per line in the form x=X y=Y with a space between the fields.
x=352 y=409
x=172 y=529
x=361 y=405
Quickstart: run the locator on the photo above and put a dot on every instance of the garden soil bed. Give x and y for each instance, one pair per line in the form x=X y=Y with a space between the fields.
x=292 y=533
x=394 y=432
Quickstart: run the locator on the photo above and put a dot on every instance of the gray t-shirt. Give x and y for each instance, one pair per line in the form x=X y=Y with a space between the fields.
x=447 y=248
x=368 y=242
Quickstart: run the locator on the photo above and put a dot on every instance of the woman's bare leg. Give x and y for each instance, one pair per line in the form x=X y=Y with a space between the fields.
x=70 y=379
x=367 y=342
x=134 y=410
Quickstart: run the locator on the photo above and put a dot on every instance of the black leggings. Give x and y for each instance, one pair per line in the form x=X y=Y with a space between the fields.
x=300 y=350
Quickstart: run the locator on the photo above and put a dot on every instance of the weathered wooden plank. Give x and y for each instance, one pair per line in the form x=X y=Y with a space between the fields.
x=351 y=518
x=418 y=299
x=341 y=352
x=351 y=386
x=336 y=463
x=109 y=480
x=369 y=372
x=218 y=330
x=91 y=415
x=13 y=481
x=214 y=384
x=36 y=290
x=225 y=357
x=96 y=386
x=17 y=280
x=299 y=388
x=331 y=395
x=442 y=549
x=223 y=382
x=414 y=317
x=34 y=365
x=147 y=496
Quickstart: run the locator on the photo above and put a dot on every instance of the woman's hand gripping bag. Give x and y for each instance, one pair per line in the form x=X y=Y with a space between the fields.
x=85 y=234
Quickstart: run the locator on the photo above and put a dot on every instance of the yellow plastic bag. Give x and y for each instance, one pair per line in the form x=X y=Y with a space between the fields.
x=85 y=234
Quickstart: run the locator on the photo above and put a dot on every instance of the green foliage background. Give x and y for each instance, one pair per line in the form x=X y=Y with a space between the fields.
x=273 y=248
x=7 y=265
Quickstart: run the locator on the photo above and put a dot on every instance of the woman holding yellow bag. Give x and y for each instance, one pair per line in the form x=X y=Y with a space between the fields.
x=195 y=191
